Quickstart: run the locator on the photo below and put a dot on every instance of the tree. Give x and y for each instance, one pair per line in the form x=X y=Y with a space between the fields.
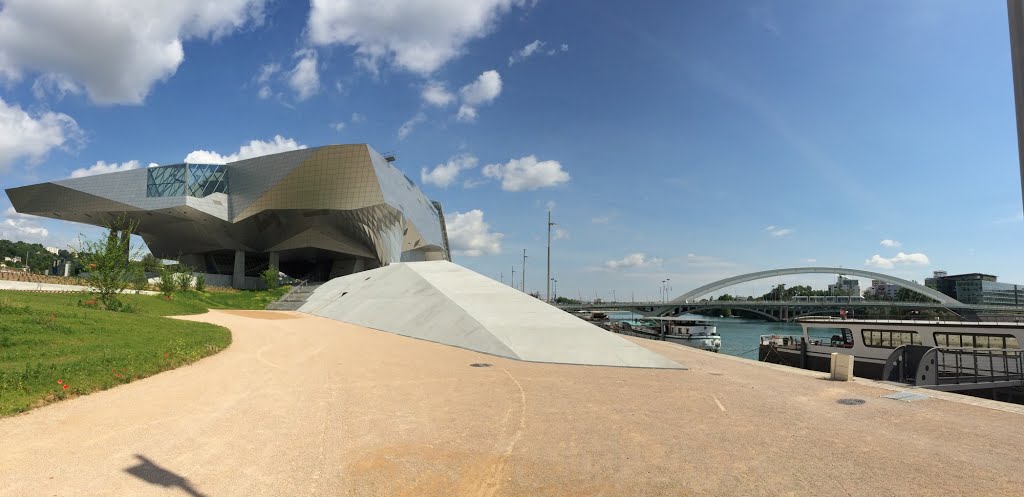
x=726 y=296
x=107 y=261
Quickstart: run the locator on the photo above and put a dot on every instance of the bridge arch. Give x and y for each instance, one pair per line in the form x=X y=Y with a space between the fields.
x=771 y=273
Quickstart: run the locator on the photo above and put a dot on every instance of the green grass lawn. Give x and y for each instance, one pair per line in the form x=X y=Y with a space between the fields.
x=48 y=341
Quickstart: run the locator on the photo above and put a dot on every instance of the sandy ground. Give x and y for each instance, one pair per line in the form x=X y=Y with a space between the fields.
x=300 y=405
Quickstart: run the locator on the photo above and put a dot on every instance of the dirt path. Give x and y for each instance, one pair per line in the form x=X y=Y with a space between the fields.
x=301 y=405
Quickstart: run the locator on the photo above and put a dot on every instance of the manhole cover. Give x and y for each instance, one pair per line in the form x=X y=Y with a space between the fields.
x=851 y=402
x=479 y=365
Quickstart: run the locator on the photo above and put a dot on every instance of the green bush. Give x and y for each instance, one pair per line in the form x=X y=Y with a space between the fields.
x=270 y=277
x=200 y=282
x=166 y=284
x=183 y=280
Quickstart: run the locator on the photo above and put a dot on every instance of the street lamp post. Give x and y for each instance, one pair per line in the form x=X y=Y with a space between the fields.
x=554 y=291
x=550 y=224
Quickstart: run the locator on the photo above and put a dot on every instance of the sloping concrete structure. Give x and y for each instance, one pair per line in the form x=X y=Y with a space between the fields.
x=447 y=303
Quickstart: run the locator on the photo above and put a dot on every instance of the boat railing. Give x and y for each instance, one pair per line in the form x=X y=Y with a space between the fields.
x=955 y=368
x=782 y=341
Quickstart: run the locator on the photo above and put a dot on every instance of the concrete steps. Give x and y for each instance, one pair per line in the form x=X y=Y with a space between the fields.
x=294 y=299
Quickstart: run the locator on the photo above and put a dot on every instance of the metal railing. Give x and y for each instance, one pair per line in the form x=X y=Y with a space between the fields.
x=955 y=368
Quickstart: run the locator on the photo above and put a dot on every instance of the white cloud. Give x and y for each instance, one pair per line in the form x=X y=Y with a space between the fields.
x=264 y=92
x=101 y=167
x=564 y=47
x=466 y=114
x=414 y=35
x=601 y=220
x=484 y=90
x=469 y=235
x=525 y=52
x=810 y=261
x=254 y=148
x=916 y=258
x=559 y=233
x=357 y=117
x=304 y=78
x=435 y=93
x=116 y=50
x=635 y=260
x=338 y=126
x=22 y=229
x=445 y=174
x=527 y=174
x=54 y=84
x=406 y=128
x=778 y=232
x=550 y=205
x=890 y=243
x=267 y=71
x=32 y=136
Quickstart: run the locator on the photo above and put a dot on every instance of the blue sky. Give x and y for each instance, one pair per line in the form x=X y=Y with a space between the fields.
x=683 y=140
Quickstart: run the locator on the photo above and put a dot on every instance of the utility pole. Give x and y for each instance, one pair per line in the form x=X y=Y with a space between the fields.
x=524 y=271
x=501 y=277
x=512 y=282
x=550 y=224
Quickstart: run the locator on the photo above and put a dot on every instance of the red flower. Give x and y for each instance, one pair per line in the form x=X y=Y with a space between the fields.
x=60 y=382
x=118 y=375
x=65 y=386
x=111 y=370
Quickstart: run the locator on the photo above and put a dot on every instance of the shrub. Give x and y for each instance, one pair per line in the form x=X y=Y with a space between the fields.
x=270 y=277
x=139 y=280
x=183 y=280
x=166 y=284
x=200 y=282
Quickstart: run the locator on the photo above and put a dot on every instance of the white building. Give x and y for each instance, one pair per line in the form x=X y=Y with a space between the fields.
x=845 y=286
x=53 y=250
x=883 y=289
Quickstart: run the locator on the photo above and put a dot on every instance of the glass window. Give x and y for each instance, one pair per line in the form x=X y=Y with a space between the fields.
x=890 y=339
x=974 y=340
x=204 y=179
x=165 y=181
x=195 y=180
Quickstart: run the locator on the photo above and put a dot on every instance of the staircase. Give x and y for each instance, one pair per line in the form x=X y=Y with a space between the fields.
x=294 y=299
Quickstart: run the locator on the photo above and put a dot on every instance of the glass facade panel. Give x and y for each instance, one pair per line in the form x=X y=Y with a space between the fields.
x=204 y=179
x=166 y=181
x=195 y=180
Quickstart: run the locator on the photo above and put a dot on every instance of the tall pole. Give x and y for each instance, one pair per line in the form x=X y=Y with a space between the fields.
x=524 y=271
x=550 y=224
x=1015 y=12
x=512 y=281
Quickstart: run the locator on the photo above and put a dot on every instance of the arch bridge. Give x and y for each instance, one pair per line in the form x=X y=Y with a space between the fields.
x=931 y=293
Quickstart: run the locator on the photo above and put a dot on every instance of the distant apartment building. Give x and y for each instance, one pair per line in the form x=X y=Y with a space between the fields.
x=53 y=250
x=976 y=288
x=883 y=290
x=845 y=286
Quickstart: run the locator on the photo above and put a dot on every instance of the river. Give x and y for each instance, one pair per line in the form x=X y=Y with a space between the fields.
x=740 y=337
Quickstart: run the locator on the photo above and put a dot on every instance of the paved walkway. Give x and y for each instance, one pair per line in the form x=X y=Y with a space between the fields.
x=300 y=405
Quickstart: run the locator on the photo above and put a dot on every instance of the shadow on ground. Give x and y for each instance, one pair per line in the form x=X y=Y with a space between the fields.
x=149 y=472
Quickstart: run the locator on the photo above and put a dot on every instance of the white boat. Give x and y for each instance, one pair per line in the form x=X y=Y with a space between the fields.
x=692 y=332
x=964 y=349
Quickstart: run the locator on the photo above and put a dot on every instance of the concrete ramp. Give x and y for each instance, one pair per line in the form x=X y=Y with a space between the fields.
x=447 y=303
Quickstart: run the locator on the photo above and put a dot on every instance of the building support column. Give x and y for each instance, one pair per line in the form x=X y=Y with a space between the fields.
x=238 y=277
x=275 y=260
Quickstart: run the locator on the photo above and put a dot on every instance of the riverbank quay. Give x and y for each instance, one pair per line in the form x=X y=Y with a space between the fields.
x=301 y=404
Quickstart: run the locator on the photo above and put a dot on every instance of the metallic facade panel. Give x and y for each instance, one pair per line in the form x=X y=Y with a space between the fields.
x=344 y=200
